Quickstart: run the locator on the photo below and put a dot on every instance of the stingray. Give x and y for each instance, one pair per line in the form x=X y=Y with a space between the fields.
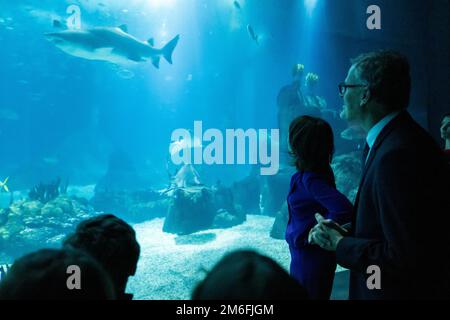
x=186 y=177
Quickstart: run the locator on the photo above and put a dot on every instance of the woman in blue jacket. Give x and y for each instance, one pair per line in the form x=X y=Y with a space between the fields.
x=313 y=190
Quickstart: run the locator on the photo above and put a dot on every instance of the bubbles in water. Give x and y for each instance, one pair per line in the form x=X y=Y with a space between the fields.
x=125 y=73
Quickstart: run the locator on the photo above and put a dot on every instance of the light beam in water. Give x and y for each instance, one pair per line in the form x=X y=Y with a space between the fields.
x=310 y=5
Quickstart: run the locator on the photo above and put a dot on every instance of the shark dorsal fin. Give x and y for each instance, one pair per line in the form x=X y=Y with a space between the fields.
x=123 y=27
x=151 y=42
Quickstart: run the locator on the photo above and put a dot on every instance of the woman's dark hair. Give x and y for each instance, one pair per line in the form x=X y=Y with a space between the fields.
x=312 y=145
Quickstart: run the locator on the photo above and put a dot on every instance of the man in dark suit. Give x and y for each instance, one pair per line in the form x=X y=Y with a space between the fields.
x=398 y=245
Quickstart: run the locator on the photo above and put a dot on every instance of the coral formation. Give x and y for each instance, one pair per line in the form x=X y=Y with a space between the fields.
x=45 y=192
x=31 y=224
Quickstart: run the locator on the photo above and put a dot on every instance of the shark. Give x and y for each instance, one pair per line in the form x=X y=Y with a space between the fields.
x=112 y=44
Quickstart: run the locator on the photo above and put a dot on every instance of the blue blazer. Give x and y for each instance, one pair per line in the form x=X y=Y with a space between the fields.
x=310 y=193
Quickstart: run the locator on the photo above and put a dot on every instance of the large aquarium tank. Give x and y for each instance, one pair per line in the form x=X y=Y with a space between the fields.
x=173 y=115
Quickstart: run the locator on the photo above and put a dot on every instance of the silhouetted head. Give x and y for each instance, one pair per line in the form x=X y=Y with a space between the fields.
x=247 y=275
x=311 y=145
x=113 y=243
x=45 y=274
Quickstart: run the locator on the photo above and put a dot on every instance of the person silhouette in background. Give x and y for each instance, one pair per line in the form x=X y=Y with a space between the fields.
x=445 y=134
x=291 y=104
x=313 y=190
x=113 y=243
x=248 y=275
x=44 y=275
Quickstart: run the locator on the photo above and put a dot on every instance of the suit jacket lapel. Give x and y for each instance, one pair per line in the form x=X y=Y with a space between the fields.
x=381 y=137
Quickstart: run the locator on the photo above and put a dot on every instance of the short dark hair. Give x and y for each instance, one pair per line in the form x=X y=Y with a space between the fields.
x=388 y=76
x=248 y=275
x=42 y=275
x=113 y=243
x=312 y=145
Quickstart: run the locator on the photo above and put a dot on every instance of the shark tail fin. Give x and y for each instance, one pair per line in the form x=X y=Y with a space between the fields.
x=155 y=61
x=168 y=49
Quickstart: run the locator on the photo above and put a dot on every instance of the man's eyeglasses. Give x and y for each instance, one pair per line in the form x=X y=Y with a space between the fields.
x=343 y=87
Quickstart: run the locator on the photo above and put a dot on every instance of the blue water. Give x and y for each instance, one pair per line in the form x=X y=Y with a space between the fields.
x=64 y=116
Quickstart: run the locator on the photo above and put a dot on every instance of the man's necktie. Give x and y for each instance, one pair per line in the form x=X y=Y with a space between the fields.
x=364 y=157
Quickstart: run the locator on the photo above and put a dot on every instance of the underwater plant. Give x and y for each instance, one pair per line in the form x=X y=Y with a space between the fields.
x=47 y=192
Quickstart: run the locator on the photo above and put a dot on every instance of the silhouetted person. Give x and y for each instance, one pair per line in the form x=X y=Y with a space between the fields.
x=113 y=243
x=398 y=245
x=313 y=190
x=247 y=275
x=44 y=275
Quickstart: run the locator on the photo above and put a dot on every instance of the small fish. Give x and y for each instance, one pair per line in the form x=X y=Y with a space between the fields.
x=237 y=5
x=3 y=186
x=252 y=33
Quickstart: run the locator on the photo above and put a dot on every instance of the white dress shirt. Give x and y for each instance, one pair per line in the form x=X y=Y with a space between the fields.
x=373 y=133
